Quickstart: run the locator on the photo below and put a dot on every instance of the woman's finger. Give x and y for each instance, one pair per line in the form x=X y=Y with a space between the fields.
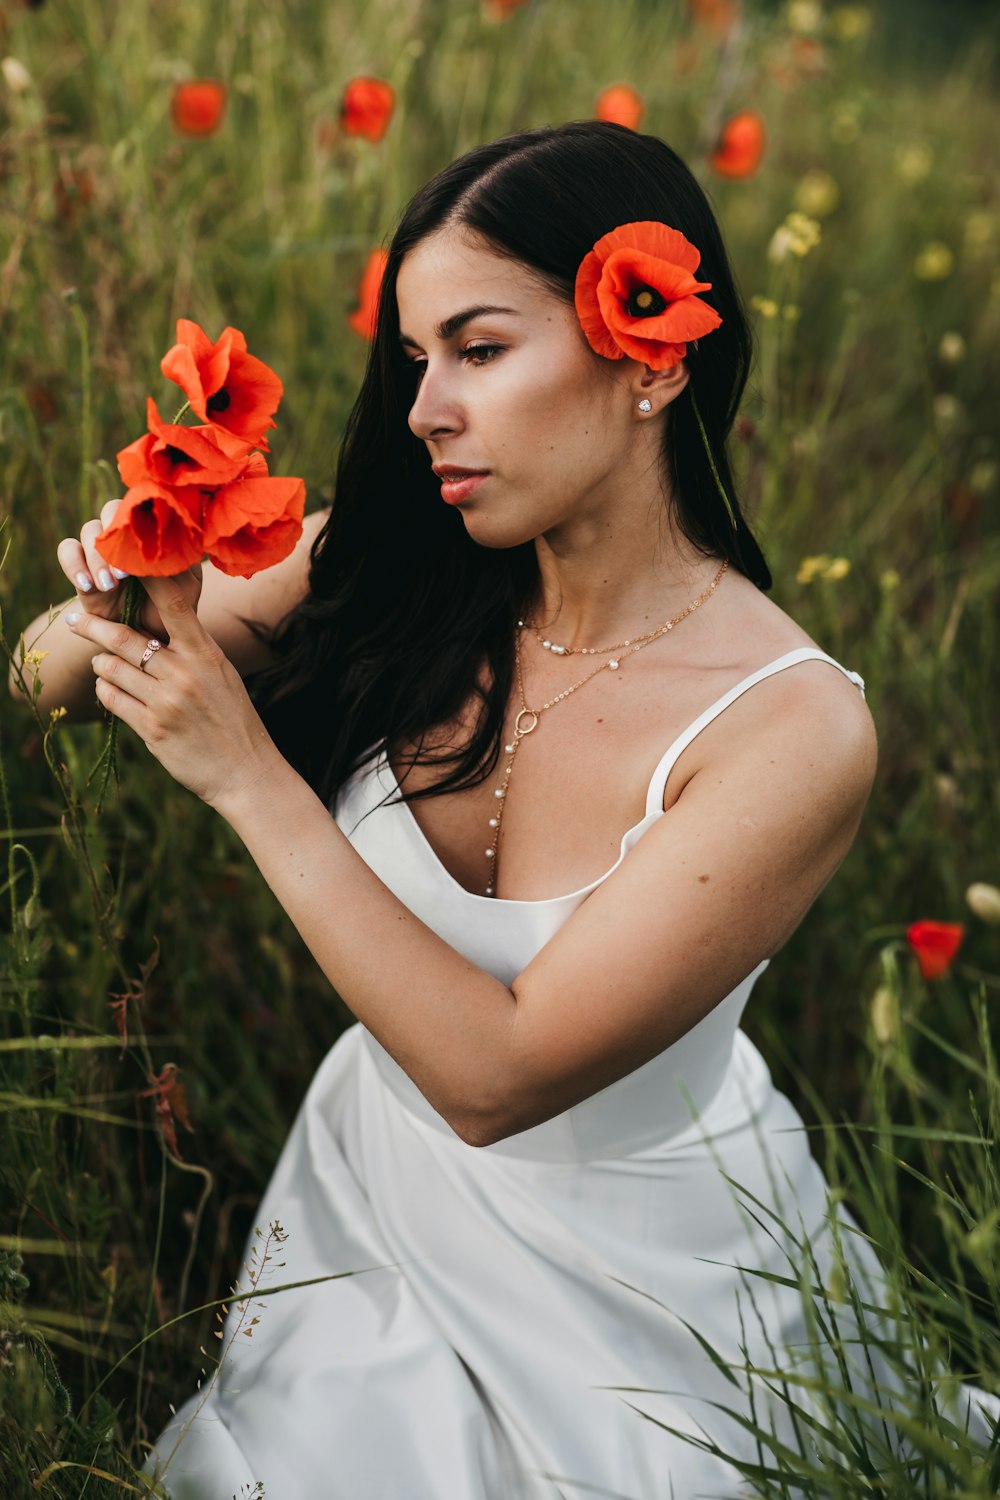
x=104 y=576
x=114 y=637
x=119 y=672
x=72 y=559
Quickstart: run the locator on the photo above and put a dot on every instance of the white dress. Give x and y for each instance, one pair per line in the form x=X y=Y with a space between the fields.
x=521 y=1310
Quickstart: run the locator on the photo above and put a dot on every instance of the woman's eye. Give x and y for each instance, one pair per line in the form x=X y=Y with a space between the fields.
x=481 y=354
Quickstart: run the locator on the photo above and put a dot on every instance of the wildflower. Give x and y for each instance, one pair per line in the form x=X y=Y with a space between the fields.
x=197 y=107
x=791 y=312
x=934 y=263
x=156 y=530
x=620 y=105
x=255 y=521
x=885 y=1015
x=366 y=107
x=805 y=16
x=15 y=75
x=364 y=317
x=817 y=193
x=913 y=162
x=934 y=945
x=636 y=295
x=34 y=659
x=224 y=384
x=951 y=348
x=499 y=10
x=889 y=580
x=171 y=1104
x=766 y=306
x=947 y=408
x=740 y=146
x=796 y=236
x=837 y=568
x=719 y=16
x=850 y=23
x=983 y=476
x=810 y=567
x=178 y=456
x=984 y=901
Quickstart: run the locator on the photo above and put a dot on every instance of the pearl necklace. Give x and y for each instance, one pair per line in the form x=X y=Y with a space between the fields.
x=526 y=720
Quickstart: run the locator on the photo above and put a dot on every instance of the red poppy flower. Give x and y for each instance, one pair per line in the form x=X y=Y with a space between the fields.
x=366 y=107
x=156 y=531
x=934 y=945
x=741 y=146
x=177 y=456
x=255 y=521
x=719 y=16
x=635 y=295
x=197 y=106
x=365 y=315
x=224 y=384
x=500 y=9
x=620 y=105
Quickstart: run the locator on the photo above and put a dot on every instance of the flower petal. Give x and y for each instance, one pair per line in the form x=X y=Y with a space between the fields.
x=254 y=523
x=155 y=532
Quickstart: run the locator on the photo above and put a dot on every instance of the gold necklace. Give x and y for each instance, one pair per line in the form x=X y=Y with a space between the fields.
x=527 y=719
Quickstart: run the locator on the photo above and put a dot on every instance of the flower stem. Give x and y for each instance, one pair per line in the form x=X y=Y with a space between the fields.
x=107 y=762
x=711 y=460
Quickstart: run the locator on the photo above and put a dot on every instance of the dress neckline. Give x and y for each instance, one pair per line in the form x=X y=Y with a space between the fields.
x=383 y=770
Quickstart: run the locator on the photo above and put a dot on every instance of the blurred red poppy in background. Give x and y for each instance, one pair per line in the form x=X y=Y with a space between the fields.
x=621 y=105
x=741 y=146
x=363 y=319
x=366 y=107
x=934 y=945
x=719 y=16
x=197 y=106
x=498 y=9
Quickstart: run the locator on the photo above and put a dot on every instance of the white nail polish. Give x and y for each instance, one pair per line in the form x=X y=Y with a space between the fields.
x=104 y=580
x=83 y=583
x=72 y=619
x=118 y=573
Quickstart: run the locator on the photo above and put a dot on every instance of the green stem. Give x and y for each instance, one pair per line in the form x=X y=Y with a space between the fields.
x=708 y=449
x=86 y=424
x=107 y=761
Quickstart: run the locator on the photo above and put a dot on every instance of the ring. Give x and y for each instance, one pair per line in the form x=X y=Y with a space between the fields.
x=151 y=646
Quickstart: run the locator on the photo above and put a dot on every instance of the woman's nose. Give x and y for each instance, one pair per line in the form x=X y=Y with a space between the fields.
x=434 y=412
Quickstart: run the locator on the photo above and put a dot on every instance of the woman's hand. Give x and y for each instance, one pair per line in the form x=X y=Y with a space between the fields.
x=187 y=704
x=99 y=586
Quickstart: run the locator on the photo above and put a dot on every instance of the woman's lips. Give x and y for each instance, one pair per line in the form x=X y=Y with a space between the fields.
x=454 y=491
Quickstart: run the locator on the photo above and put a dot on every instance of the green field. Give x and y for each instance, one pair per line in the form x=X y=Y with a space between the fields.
x=869 y=468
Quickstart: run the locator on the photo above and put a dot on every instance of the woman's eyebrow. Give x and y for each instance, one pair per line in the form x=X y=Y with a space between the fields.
x=458 y=320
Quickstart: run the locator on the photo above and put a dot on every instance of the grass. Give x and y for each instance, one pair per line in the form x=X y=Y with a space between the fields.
x=867 y=436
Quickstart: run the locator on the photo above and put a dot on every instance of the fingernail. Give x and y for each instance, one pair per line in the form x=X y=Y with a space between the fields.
x=118 y=573
x=104 y=580
x=84 y=582
x=72 y=619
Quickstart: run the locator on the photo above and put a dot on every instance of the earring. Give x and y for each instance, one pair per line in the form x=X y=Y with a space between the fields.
x=645 y=405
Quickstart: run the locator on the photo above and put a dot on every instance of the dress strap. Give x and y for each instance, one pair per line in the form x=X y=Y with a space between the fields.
x=654 y=797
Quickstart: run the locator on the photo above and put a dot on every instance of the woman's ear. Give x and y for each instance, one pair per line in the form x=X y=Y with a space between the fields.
x=653 y=390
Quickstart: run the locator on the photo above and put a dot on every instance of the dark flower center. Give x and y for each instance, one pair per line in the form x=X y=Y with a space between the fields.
x=218 y=402
x=147 y=506
x=178 y=456
x=644 y=302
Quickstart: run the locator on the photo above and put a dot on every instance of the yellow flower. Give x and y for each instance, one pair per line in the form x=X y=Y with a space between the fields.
x=913 y=162
x=805 y=16
x=809 y=567
x=817 y=193
x=951 y=348
x=850 y=23
x=34 y=659
x=935 y=262
x=764 y=305
x=838 y=568
x=884 y=1015
x=889 y=581
x=791 y=312
x=796 y=236
x=984 y=901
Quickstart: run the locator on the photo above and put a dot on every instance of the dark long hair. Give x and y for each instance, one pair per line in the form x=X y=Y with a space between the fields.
x=403 y=609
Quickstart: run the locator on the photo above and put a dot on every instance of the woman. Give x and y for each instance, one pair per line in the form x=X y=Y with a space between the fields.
x=546 y=1148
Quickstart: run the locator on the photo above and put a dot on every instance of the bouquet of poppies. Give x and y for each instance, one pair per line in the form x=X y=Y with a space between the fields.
x=204 y=490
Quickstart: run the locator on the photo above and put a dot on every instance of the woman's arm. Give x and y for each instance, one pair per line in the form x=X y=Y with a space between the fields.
x=714 y=887
x=223 y=604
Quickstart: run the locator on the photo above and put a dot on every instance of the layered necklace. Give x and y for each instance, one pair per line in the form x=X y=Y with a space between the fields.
x=527 y=719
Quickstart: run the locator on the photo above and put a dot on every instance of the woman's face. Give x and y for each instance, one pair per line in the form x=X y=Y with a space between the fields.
x=506 y=385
